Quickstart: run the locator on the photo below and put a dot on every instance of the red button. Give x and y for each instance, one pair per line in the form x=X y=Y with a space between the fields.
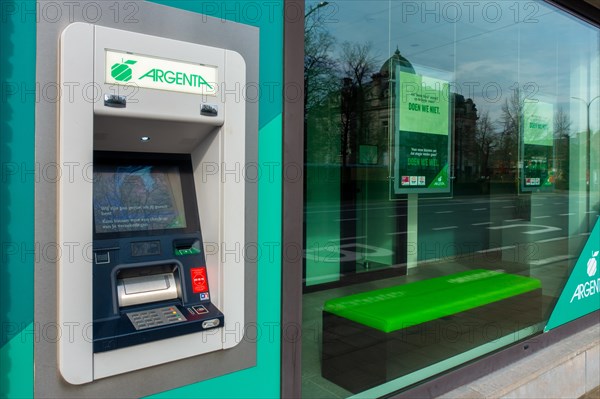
x=199 y=281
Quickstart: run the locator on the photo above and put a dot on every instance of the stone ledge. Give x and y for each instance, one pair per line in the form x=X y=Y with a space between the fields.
x=593 y=394
x=566 y=369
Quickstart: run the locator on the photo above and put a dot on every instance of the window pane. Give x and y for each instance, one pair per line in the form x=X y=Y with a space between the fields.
x=452 y=179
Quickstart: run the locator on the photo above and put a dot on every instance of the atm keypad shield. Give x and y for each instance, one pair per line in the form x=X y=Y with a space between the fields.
x=155 y=317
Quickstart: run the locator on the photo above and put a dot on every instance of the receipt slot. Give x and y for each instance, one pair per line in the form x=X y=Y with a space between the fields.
x=155 y=285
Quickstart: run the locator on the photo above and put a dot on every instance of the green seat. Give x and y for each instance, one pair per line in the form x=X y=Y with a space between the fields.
x=394 y=308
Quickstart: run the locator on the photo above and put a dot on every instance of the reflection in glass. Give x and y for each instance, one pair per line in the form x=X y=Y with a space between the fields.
x=452 y=175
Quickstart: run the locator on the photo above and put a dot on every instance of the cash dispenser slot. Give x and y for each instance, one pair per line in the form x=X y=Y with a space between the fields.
x=146 y=289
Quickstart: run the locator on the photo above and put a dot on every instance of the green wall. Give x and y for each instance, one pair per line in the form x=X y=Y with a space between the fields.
x=18 y=49
x=261 y=381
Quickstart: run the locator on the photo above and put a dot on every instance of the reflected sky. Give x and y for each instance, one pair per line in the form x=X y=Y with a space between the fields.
x=490 y=48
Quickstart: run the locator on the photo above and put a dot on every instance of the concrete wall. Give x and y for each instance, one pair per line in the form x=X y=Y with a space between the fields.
x=567 y=369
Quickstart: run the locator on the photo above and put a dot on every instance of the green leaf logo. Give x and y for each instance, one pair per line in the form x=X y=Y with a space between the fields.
x=121 y=71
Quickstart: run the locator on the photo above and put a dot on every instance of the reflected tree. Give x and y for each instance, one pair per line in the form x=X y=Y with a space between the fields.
x=320 y=81
x=486 y=140
x=319 y=65
x=357 y=65
x=562 y=136
x=508 y=146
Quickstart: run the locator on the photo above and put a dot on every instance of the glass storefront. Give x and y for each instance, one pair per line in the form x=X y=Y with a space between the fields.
x=452 y=178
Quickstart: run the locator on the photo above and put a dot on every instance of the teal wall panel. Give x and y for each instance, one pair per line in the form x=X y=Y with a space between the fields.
x=263 y=380
x=268 y=16
x=16 y=365
x=17 y=140
x=17 y=51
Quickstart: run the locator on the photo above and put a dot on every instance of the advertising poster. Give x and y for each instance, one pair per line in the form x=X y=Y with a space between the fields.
x=422 y=134
x=537 y=148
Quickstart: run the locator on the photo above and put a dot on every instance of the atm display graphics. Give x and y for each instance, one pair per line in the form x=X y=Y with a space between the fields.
x=138 y=198
x=422 y=134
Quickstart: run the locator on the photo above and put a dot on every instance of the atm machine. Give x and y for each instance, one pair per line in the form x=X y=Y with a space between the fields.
x=157 y=215
x=147 y=250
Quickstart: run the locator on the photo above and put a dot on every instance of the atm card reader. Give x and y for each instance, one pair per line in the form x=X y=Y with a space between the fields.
x=187 y=247
x=151 y=280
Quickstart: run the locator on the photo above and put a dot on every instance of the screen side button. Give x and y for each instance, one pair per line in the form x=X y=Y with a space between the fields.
x=102 y=258
x=200 y=309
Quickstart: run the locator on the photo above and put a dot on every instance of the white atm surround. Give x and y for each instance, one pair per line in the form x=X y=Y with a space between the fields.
x=173 y=121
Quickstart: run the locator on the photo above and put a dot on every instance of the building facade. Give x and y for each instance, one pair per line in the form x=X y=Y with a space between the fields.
x=421 y=184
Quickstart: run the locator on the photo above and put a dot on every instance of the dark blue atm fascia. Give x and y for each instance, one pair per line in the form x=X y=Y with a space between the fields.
x=150 y=252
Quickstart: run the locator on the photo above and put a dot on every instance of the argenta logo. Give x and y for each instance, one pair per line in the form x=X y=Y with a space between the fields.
x=176 y=78
x=592 y=265
x=122 y=71
x=439 y=182
x=151 y=72
x=591 y=287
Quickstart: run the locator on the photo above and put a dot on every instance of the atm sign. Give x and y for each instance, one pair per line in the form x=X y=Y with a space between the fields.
x=199 y=280
x=162 y=74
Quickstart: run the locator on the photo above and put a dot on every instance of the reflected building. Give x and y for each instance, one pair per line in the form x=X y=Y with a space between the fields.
x=520 y=187
x=355 y=122
x=349 y=153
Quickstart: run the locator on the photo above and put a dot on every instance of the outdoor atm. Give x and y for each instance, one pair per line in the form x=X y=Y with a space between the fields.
x=148 y=250
x=159 y=124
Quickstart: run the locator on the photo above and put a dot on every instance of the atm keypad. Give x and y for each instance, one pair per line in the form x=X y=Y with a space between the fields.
x=156 y=317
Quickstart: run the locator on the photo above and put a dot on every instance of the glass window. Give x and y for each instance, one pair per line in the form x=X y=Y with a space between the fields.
x=452 y=177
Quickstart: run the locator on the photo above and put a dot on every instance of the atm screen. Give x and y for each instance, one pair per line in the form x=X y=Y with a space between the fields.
x=140 y=195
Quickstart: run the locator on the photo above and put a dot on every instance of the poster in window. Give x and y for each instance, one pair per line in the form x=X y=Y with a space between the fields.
x=422 y=134
x=537 y=152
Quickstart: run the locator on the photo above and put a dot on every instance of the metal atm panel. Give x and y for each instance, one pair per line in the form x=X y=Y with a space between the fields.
x=125 y=268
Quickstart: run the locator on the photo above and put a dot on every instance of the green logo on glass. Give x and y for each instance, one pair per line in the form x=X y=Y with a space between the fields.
x=581 y=294
x=121 y=72
x=441 y=180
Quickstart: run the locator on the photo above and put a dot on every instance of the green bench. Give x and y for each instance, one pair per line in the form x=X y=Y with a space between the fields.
x=373 y=337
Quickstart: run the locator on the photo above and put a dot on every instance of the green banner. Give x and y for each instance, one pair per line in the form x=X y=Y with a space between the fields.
x=537 y=146
x=422 y=134
x=423 y=104
x=538 y=123
x=581 y=294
